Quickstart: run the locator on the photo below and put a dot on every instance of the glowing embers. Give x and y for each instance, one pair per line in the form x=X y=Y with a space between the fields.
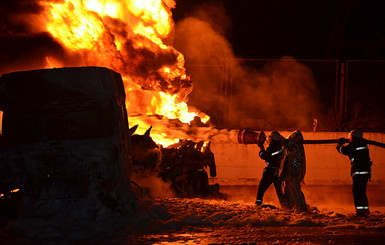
x=10 y=193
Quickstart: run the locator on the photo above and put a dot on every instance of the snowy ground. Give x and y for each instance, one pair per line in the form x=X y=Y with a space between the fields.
x=237 y=220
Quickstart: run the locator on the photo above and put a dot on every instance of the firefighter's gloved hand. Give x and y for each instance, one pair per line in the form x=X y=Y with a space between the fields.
x=261 y=139
x=341 y=141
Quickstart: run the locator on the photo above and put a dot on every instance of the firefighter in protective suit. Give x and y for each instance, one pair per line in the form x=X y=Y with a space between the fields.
x=358 y=152
x=273 y=156
x=293 y=172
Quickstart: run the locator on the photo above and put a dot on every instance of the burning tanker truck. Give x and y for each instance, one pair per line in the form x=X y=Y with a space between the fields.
x=65 y=150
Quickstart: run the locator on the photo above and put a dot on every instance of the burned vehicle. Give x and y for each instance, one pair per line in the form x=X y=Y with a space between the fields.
x=65 y=147
x=184 y=166
x=146 y=155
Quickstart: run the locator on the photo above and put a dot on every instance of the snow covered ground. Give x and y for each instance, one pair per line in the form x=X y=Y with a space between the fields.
x=237 y=220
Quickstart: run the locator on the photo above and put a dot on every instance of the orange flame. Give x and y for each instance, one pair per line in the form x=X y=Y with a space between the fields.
x=127 y=36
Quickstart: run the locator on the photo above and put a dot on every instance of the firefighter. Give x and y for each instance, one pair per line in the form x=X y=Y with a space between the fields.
x=358 y=153
x=273 y=156
x=293 y=172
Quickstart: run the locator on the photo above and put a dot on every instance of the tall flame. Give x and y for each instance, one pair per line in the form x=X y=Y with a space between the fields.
x=128 y=37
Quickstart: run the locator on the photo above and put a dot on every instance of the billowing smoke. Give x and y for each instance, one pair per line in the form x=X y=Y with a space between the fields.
x=152 y=185
x=275 y=94
x=239 y=95
x=26 y=44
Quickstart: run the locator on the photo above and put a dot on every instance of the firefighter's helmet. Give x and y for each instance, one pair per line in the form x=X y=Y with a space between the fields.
x=274 y=135
x=355 y=133
x=296 y=136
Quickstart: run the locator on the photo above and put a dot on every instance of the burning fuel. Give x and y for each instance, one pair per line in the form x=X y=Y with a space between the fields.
x=129 y=37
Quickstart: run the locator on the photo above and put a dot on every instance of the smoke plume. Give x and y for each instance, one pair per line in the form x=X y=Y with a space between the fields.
x=242 y=93
x=152 y=185
x=23 y=43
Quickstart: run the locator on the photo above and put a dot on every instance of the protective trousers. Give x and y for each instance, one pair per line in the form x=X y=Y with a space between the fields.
x=294 y=197
x=269 y=177
x=360 y=182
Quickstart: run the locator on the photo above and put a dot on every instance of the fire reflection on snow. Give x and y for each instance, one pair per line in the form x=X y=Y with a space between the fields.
x=167 y=220
x=203 y=221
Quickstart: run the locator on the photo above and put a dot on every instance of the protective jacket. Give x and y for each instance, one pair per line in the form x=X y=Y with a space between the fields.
x=293 y=172
x=272 y=155
x=358 y=153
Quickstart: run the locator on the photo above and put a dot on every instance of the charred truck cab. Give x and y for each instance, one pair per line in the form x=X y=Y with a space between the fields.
x=65 y=147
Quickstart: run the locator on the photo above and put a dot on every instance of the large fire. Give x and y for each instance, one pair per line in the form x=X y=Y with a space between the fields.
x=129 y=37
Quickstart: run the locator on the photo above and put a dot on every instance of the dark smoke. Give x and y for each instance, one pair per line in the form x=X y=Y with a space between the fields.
x=21 y=52
x=277 y=94
x=25 y=44
x=144 y=63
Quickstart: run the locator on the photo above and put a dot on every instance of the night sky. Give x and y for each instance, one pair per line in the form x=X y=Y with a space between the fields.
x=328 y=29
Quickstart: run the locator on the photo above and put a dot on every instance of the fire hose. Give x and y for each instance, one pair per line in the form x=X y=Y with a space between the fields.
x=246 y=136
